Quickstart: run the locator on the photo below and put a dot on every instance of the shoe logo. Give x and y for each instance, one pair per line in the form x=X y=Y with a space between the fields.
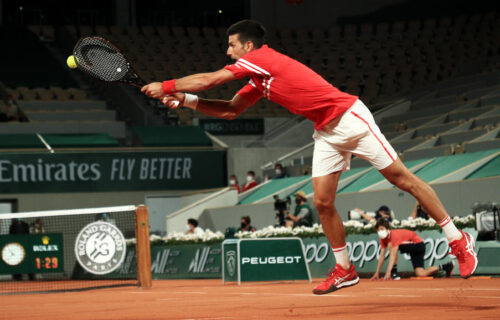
x=341 y=279
x=469 y=248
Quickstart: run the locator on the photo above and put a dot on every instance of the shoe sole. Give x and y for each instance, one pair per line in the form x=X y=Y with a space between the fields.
x=344 y=284
x=475 y=256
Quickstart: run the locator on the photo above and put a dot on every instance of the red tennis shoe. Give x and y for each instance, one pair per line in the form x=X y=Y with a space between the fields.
x=463 y=249
x=337 y=278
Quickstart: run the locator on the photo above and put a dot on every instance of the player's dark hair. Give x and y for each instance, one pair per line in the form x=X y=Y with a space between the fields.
x=248 y=30
x=382 y=222
x=251 y=172
x=193 y=222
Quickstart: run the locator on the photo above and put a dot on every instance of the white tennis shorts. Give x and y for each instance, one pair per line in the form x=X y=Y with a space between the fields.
x=355 y=132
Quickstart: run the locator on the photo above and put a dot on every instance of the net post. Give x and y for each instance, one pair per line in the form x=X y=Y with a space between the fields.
x=143 y=248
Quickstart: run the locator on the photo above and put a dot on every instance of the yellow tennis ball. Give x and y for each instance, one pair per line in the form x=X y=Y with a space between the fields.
x=71 y=62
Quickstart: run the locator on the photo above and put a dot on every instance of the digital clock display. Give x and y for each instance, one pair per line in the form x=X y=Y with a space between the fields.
x=46 y=263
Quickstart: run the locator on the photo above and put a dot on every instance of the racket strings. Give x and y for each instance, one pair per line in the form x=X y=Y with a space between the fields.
x=100 y=59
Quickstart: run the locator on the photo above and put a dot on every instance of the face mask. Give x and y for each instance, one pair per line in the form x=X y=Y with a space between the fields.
x=188 y=227
x=278 y=171
x=243 y=225
x=298 y=201
x=249 y=178
x=382 y=234
x=232 y=182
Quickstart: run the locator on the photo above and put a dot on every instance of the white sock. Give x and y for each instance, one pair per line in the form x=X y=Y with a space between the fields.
x=341 y=257
x=449 y=229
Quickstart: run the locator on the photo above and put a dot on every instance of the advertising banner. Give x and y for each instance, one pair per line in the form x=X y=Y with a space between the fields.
x=112 y=171
x=233 y=127
x=264 y=260
x=187 y=261
x=205 y=261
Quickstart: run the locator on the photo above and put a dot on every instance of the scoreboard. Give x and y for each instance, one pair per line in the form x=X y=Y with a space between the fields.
x=31 y=253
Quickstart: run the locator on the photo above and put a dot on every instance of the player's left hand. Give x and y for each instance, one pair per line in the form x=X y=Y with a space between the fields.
x=387 y=276
x=154 y=90
x=173 y=101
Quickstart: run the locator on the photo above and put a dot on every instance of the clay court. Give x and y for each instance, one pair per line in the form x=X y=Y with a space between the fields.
x=475 y=298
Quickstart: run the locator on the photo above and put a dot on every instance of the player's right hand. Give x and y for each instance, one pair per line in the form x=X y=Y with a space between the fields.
x=375 y=277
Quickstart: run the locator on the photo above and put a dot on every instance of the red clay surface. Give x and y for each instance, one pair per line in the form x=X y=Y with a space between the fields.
x=209 y=299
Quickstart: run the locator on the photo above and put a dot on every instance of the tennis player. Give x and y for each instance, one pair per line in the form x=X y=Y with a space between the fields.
x=343 y=126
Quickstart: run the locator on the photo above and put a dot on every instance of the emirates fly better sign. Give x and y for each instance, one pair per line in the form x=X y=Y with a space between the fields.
x=112 y=171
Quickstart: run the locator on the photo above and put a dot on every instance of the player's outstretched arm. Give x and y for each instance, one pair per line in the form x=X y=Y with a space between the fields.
x=193 y=83
x=225 y=109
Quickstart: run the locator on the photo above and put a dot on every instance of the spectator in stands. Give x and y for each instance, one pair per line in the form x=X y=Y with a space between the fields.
x=192 y=228
x=233 y=183
x=37 y=226
x=302 y=216
x=250 y=181
x=382 y=212
x=245 y=224
x=279 y=171
x=405 y=241
x=419 y=212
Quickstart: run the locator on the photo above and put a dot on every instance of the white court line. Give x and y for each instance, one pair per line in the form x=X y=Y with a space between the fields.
x=400 y=295
x=487 y=297
x=443 y=289
x=307 y=295
x=248 y=293
x=210 y=318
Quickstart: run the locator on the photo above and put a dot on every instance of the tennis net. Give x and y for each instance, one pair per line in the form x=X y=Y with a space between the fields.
x=74 y=250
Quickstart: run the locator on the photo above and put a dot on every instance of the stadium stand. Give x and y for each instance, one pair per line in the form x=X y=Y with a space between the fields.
x=376 y=61
x=481 y=164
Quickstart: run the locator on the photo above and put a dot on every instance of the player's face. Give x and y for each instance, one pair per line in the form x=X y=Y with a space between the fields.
x=235 y=48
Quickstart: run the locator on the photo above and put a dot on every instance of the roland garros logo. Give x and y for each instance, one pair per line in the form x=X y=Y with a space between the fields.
x=100 y=247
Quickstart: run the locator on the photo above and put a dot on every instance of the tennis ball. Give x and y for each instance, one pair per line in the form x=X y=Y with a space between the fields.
x=71 y=62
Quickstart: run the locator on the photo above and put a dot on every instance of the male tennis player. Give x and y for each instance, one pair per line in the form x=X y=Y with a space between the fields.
x=343 y=126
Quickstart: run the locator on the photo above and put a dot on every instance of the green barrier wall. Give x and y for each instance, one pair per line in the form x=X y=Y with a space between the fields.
x=190 y=261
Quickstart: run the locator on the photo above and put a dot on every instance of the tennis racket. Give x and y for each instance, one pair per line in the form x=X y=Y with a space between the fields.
x=102 y=60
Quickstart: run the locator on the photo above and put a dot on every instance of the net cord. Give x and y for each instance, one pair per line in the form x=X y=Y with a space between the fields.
x=68 y=212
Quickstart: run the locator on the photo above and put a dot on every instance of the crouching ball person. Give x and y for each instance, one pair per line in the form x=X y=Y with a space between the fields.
x=405 y=241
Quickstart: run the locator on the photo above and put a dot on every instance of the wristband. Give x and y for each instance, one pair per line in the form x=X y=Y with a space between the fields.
x=168 y=86
x=191 y=101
